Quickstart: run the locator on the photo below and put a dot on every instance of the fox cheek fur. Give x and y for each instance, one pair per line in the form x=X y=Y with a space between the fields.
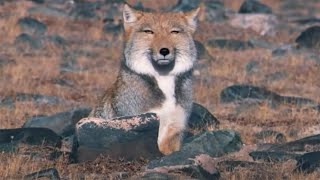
x=155 y=73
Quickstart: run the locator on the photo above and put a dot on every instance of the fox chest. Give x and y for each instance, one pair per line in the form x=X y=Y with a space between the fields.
x=169 y=108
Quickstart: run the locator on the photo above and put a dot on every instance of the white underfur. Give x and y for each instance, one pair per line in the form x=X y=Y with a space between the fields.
x=170 y=114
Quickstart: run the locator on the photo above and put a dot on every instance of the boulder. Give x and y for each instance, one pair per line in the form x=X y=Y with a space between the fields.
x=62 y=123
x=270 y=156
x=311 y=143
x=129 y=137
x=196 y=156
x=51 y=173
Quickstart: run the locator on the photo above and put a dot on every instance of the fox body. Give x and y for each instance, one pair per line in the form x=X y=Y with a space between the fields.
x=155 y=73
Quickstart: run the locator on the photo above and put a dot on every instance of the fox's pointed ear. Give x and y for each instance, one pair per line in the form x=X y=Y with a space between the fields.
x=192 y=18
x=129 y=14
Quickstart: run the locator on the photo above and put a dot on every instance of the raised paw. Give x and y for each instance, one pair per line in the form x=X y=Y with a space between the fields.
x=170 y=142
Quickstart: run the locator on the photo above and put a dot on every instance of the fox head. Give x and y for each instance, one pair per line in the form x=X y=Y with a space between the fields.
x=159 y=43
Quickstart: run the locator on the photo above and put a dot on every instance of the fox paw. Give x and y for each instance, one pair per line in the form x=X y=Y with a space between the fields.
x=171 y=141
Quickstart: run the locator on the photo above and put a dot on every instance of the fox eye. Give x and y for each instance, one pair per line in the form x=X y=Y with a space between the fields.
x=175 y=31
x=148 y=31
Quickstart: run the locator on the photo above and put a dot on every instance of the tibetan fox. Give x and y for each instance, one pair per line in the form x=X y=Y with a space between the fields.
x=155 y=73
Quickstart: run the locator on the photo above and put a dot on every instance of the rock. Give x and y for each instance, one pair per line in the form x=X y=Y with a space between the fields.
x=240 y=92
x=264 y=24
x=253 y=6
x=36 y=98
x=111 y=27
x=57 y=40
x=311 y=143
x=310 y=38
x=84 y=10
x=236 y=93
x=128 y=137
x=186 y=5
x=280 y=51
x=252 y=67
x=158 y=176
x=62 y=123
x=270 y=156
x=308 y=162
x=32 y=26
x=51 y=173
x=206 y=144
x=230 y=44
x=231 y=165
x=31 y=136
x=24 y=40
x=277 y=136
x=49 y=11
x=276 y=76
x=4 y=60
x=201 y=119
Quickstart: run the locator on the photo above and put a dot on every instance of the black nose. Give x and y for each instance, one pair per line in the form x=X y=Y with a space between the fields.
x=164 y=51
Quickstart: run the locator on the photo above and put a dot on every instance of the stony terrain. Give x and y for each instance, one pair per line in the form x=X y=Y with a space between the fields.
x=257 y=74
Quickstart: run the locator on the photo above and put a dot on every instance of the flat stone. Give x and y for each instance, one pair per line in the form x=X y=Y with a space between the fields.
x=128 y=137
x=309 y=38
x=62 y=123
x=230 y=44
x=311 y=143
x=271 y=156
x=308 y=162
x=253 y=6
x=31 y=136
x=51 y=173
x=27 y=41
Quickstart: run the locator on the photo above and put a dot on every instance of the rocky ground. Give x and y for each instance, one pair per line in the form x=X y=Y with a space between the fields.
x=256 y=80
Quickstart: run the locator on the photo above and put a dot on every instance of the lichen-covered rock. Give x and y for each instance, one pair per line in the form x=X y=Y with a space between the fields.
x=129 y=137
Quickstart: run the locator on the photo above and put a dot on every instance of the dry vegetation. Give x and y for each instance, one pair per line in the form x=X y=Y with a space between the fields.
x=36 y=71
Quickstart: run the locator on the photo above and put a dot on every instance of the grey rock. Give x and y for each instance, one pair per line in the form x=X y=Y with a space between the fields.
x=252 y=67
x=62 y=123
x=310 y=38
x=51 y=173
x=273 y=156
x=253 y=6
x=111 y=27
x=308 y=162
x=31 y=136
x=49 y=11
x=230 y=44
x=57 y=40
x=305 y=21
x=84 y=10
x=240 y=92
x=201 y=119
x=231 y=165
x=213 y=144
x=26 y=41
x=311 y=143
x=9 y=101
x=186 y=5
x=128 y=137
x=32 y=26
x=157 y=176
x=278 y=137
x=236 y=93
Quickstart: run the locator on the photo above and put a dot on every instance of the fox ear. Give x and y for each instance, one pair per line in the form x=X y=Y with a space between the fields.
x=192 y=18
x=129 y=14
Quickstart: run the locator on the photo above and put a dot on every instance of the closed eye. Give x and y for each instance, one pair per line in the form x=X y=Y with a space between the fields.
x=148 y=31
x=175 y=31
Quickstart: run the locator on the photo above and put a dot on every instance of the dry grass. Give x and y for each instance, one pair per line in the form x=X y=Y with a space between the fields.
x=34 y=72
